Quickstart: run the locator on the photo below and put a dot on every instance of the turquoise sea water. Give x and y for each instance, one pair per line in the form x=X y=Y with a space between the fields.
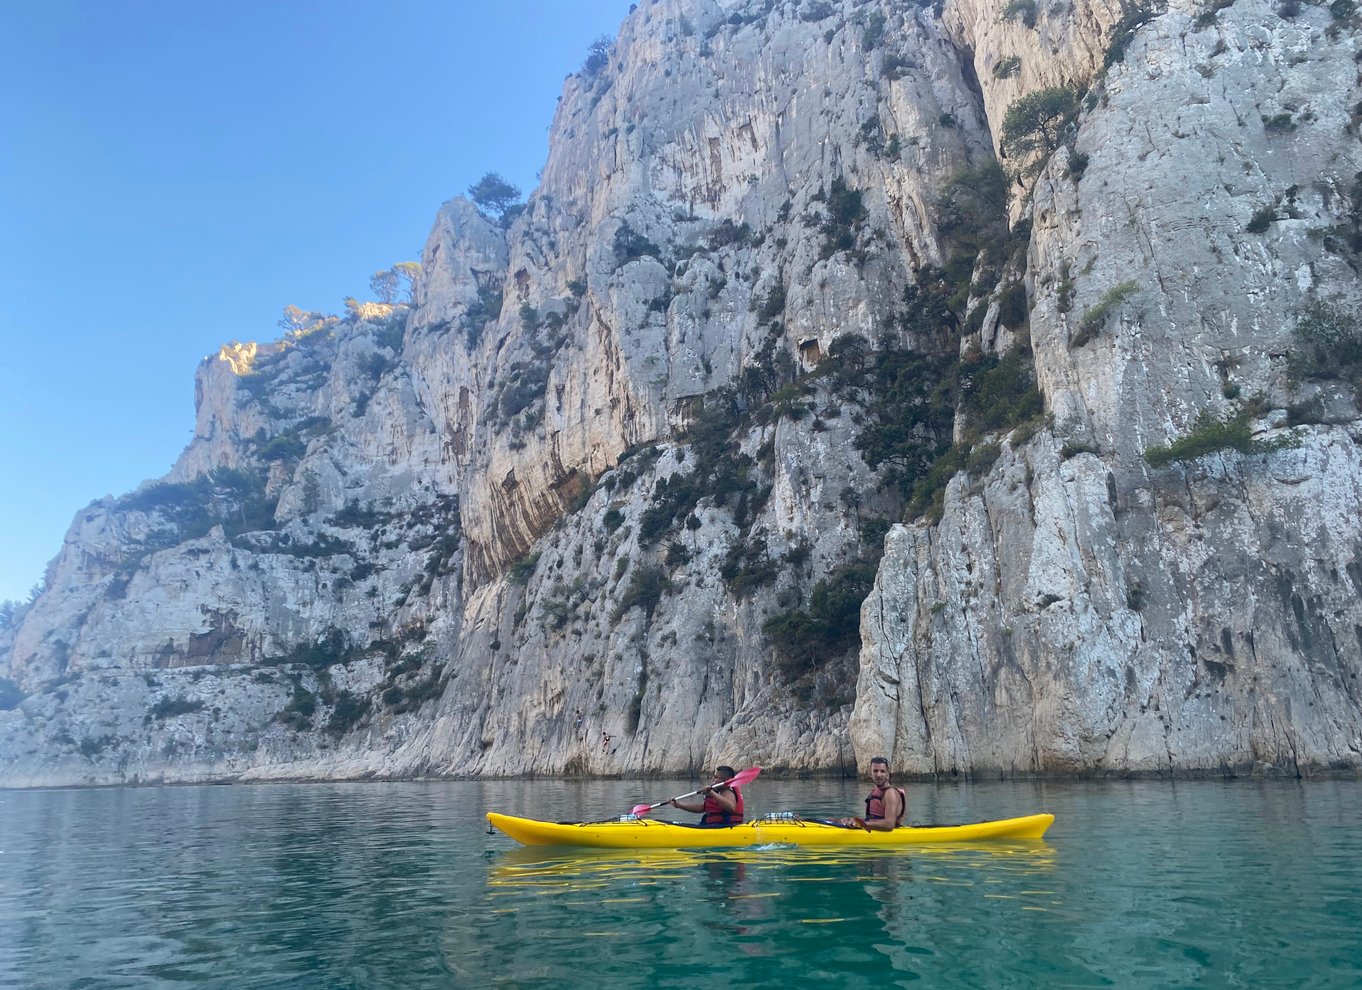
x=1144 y=884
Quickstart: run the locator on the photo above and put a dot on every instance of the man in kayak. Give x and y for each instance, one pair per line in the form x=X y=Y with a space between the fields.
x=886 y=805
x=719 y=804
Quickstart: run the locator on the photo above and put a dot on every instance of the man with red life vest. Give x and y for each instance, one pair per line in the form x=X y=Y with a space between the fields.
x=721 y=804
x=886 y=805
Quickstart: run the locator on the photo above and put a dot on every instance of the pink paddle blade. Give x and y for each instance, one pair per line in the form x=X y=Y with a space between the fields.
x=745 y=776
x=642 y=809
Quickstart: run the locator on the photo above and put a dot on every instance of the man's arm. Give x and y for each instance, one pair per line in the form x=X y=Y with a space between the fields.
x=696 y=805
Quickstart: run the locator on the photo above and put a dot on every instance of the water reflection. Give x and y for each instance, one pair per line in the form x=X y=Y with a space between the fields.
x=560 y=869
x=793 y=913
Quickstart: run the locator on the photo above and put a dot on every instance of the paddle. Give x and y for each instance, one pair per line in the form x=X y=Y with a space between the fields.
x=737 y=780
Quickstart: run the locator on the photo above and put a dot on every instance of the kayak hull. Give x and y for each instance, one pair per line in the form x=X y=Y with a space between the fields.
x=645 y=833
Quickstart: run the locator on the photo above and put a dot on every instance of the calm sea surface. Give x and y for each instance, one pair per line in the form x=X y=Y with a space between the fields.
x=1196 y=884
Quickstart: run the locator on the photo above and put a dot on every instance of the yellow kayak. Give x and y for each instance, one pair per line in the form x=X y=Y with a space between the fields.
x=644 y=833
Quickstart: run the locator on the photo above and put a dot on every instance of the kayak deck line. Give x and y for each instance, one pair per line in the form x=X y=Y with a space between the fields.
x=628 y=832
x=771 y=819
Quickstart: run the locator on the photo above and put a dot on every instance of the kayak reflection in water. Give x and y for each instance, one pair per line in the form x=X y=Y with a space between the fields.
x=718 y=804
x=886 y=805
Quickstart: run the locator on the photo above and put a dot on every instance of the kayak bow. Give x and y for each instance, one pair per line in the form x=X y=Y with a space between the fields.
x=642 y=833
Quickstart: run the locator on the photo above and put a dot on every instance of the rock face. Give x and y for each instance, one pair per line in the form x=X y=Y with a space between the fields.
x=604 y=496
x=1078 y=610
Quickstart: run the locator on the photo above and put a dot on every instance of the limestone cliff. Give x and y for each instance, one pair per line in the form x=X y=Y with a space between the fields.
x=1077 y=609
x=602 y=496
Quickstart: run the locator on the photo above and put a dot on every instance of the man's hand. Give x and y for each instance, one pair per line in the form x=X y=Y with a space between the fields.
x=853 y=823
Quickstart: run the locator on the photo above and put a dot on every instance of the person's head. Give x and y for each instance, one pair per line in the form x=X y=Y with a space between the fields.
x=879 y=770
x=724 y=773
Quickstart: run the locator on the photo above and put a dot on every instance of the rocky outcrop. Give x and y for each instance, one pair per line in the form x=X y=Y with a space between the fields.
x=1079 y=611
x=604 y=495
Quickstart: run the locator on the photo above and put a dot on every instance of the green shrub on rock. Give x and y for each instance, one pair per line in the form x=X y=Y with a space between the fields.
x=1327 y=345
x=1095 y=317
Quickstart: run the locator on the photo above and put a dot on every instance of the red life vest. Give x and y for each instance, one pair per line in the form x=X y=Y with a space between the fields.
x=715 y=814
x=874 y=805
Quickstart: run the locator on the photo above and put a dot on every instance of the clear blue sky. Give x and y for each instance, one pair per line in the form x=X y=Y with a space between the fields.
x=173 y=174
